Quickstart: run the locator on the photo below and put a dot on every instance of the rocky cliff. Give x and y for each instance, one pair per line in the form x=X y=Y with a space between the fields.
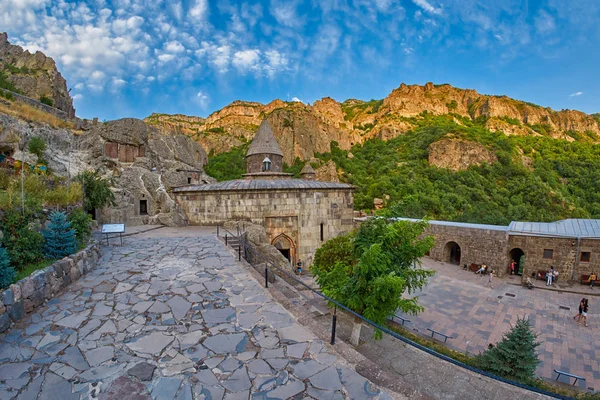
x=303 y=130
x=34 y=75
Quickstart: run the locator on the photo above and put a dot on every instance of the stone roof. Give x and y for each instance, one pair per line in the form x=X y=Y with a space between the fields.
x=308 y=169
x=264 y=141
x=264 y=184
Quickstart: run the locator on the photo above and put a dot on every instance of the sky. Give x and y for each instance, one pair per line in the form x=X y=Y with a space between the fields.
x=129 y=58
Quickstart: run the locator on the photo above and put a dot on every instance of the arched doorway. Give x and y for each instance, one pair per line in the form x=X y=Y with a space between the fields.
x=286 y=247
x=519 y=256
x=452 y=253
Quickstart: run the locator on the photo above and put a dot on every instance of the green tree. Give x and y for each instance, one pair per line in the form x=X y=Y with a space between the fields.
x=97 y=192
x=59 y=237
x=82 y=224
x=7 y=273
x=382 y=265
x=21 y=240
x=515 y=356
x=46 y=100
x=37 y=146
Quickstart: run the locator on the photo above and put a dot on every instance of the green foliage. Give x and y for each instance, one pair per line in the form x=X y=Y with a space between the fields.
x=228 y=165
x=339 y=249
x=82 y=224
x=295 y=168
x=542 y=129
x=7 y=273
x=218 y=129
x=515 y=356
x=31 y=268
x=351 y=108
x=16 y=70
x=511 y=121
x=46 y=100
x=376 y=267
x=59 y=237
x=97 y=193
x=6 y=84
x=21 y=240
x=452 y=105
x=37 y=146
x=7 y=95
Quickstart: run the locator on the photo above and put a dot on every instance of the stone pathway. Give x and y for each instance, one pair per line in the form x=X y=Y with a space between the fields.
x=170 y=317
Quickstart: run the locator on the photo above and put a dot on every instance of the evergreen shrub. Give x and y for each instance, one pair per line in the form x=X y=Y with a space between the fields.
x=59 y=236
x=81 y=222
x=7 y=273
x=20 y=238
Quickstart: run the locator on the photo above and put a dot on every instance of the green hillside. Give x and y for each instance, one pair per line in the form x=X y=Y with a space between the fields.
x=562 y=179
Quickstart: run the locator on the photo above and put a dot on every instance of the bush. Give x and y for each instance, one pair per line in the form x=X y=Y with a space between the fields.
x=96 y=190
x=37 y=146
x=7 y=273
x=22 y=242
x=515 y=356
x=59 y=236
x=81 y=222
x=47 y=101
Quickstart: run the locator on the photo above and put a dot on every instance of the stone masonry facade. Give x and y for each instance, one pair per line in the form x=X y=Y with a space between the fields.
x=494 y=248
x=299 y=214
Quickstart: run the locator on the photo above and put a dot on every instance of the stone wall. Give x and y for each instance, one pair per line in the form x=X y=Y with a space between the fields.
x=566 y=255
x=297 y=214
x=30 y=293
x=477 y=246
x=254 y=163
x=41 y=106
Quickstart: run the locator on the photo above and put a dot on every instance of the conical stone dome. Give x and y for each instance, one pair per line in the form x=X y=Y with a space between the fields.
x=264 y=141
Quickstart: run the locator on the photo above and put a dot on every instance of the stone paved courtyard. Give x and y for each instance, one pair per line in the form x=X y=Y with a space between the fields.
x=457 y=303
x=170 y=317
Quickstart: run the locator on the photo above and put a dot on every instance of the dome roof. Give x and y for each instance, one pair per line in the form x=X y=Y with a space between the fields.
x=264 y=141
x=308 y=169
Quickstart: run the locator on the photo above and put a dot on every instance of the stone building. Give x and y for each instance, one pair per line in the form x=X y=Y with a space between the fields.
x=298 y=214
x=571 y=246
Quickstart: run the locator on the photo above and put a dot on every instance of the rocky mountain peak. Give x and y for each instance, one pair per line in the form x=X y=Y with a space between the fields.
x=34 y=75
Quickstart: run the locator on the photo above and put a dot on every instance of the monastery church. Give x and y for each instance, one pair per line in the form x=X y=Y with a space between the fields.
x=298 y=214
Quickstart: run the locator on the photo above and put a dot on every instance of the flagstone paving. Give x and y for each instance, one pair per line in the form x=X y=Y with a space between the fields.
x=170 y=318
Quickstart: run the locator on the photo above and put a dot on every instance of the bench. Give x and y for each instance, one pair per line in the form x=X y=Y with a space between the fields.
x=400 y=318
x=541 y=275
x=585 y=280
x=446 y=337
x=474 y=267
x=577 y=377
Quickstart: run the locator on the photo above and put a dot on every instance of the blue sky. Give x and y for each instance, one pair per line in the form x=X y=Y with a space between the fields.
x=129 y=58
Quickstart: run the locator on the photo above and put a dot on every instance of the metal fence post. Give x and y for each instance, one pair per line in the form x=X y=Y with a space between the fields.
x=240 y=252
x=333 y=325
x=225 y=238
x=266 y=277
x=217 y=230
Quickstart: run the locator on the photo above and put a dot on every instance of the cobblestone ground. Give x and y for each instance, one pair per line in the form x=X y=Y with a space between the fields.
x=170 y=318
x=457 y=303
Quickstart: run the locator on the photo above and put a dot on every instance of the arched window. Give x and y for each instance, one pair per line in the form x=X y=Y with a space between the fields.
x=266 y=164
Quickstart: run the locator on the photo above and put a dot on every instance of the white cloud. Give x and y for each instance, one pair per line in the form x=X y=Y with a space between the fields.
x=426 y=6
x=202 y=99
x=246 y=60
x=199 y=10
x=575 y=94
x=174 y=47
x=544 y=23
x=285 y=12
x=295 y=99
x=77 y=97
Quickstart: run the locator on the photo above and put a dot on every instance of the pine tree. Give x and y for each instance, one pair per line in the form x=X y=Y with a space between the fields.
x=515 y=356
x=7 y=273
x=59 y=236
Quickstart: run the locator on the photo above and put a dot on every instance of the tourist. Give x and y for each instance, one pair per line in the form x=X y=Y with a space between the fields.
x=299 y=267
x=490 y=284
x=528 y=283
x=554 y=275
x=513 y=265
x=481 y=269
x=584 y=312
x=549 y=275
x=578 y=316
x=591 y=279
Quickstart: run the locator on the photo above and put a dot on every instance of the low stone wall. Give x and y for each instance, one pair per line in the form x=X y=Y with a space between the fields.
x=30 y=293
x=58 y=113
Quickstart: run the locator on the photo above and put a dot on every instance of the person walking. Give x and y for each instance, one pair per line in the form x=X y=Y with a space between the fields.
x=584 y=312
x=490 y=283
x=513 y=264
x=578 y=316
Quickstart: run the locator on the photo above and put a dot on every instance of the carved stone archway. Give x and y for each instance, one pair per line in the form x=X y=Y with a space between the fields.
x=286 y=246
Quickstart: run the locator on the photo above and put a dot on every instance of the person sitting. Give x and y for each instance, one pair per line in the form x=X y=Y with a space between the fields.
x=481 y=270
x=554 y=276
x=528 y=283
x=591 y=279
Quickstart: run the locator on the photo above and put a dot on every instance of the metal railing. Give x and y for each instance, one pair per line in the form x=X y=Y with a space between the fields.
x=247 y=250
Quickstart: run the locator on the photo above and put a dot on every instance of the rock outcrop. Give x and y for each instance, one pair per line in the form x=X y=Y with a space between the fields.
x=459 y=155
x=141 y=163
x=34 y=75
x=302 y=130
